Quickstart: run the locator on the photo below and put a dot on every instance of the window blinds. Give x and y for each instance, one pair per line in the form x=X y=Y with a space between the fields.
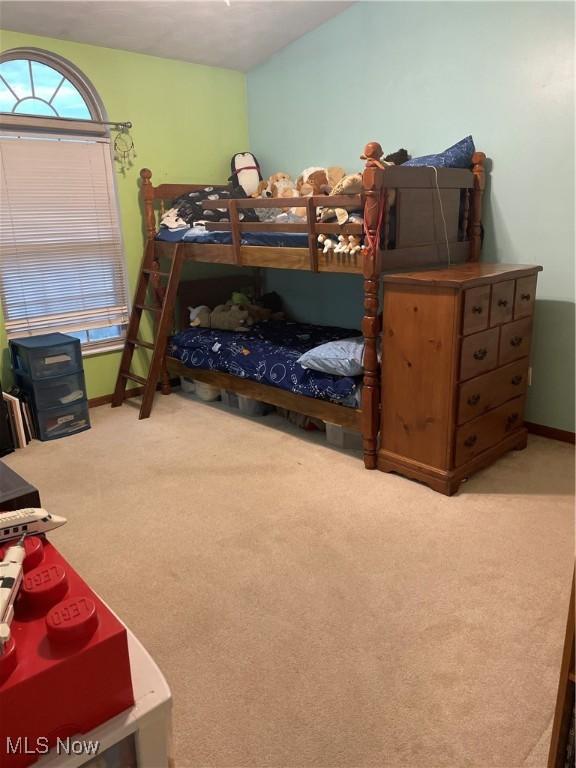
x=61 y=261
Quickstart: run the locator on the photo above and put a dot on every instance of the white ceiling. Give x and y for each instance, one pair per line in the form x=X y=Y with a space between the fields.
x=239 y=36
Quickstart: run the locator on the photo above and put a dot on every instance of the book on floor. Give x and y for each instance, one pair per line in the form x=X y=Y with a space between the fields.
x=16 y=420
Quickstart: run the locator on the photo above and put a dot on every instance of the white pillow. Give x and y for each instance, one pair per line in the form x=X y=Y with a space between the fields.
x=343 y=357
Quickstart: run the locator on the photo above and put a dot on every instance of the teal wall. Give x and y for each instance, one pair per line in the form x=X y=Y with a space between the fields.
x=421 y=76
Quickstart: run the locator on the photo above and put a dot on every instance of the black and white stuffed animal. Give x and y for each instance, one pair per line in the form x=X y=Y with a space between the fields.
x=245 y=172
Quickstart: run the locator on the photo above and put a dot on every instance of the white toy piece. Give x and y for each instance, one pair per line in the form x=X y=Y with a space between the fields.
x=21 y=522
x=11 y=569
x=30 y=521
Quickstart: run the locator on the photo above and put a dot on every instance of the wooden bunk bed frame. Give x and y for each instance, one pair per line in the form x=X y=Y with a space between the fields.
x=414 y=217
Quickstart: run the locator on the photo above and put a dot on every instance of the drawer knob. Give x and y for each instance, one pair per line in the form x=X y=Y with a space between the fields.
x=525 y=296
x=515 y=341
x=516 y=380
x=510 y=421
x=470 y=441
x=477 y=309
x=502 y=302
x=474 y=399
x=480 y=354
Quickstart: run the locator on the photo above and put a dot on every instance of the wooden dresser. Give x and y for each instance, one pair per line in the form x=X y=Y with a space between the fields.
x=455 y=355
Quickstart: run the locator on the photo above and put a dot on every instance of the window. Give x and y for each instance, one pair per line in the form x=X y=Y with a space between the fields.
x=61 y=258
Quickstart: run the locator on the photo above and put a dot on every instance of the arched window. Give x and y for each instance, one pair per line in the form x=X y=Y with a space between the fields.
x=40 y=84
x=61 y=256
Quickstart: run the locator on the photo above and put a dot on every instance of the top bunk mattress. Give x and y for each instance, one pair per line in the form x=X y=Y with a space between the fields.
x=268 y=353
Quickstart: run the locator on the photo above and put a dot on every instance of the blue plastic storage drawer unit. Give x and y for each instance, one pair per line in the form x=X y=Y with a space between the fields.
x=42 y=357
x=53 y=392
x=59 y=422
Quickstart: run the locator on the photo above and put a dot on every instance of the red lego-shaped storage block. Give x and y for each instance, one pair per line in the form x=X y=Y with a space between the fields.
x=66 y=668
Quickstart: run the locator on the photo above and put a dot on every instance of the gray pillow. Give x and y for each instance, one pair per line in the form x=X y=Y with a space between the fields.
x=342 y=357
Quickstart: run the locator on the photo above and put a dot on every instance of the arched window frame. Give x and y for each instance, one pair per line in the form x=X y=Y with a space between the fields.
x=97 y=129
x=93 y=127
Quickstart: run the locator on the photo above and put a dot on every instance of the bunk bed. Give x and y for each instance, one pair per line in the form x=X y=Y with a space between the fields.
x=413 y=217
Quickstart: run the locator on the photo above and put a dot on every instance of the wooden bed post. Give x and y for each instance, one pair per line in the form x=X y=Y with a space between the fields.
x=372 y=180
x=475 y=224
x=148 y=199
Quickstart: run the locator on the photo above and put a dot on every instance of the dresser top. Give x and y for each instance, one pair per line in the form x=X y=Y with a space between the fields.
x=464 y=275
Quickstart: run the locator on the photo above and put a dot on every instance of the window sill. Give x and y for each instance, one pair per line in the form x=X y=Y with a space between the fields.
x=116 y=347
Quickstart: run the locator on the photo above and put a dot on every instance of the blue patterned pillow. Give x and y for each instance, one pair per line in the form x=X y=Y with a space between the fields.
x=457 y=156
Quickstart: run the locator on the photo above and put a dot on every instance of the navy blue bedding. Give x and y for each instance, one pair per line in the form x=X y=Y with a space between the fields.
x=267 y=352
x=279 y=239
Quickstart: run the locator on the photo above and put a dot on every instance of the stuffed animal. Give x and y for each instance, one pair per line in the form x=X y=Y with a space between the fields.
x=354 y=245
x=284 y=188
x=229 y=317
x=199 y=316
x=239 y=298
x=272 y=301
x=258 y=314
x=278 y=177
x=348 y=185
x=319 y=181
x=327 y=242
x=264 y=189
x=398 y=157
x=342 y=246
x=245 y=172
x=335 y=173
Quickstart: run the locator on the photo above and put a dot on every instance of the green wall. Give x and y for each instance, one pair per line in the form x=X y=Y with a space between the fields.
x=421 y=76
x=188 y=121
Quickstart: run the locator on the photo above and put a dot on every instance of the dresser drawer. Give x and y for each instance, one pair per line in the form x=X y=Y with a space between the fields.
x=515 y=340
x=502 y=303
x=476 y=309
x=479 y=353
x=479 y=395
x=488 y=430
x=525 y=297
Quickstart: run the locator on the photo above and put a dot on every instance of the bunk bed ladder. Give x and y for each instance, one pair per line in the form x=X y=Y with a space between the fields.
x=163 y=310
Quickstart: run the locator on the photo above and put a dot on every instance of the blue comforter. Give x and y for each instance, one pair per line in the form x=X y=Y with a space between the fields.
x=267 y=353
x=272 y=239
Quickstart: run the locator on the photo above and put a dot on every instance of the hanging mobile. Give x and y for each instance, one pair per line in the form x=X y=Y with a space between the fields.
x=124 y=152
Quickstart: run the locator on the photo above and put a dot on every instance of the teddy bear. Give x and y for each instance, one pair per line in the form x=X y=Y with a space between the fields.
x=347 y=185
x=224 y=317
x=284 y=188
x=278 y=177
x=318 y=181
x=230 y=317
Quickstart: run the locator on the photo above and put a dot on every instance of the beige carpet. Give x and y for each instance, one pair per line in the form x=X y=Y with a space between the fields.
x=307 y=612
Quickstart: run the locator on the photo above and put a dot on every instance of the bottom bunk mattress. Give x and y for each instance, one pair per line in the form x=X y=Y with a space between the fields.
x=268 y=353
